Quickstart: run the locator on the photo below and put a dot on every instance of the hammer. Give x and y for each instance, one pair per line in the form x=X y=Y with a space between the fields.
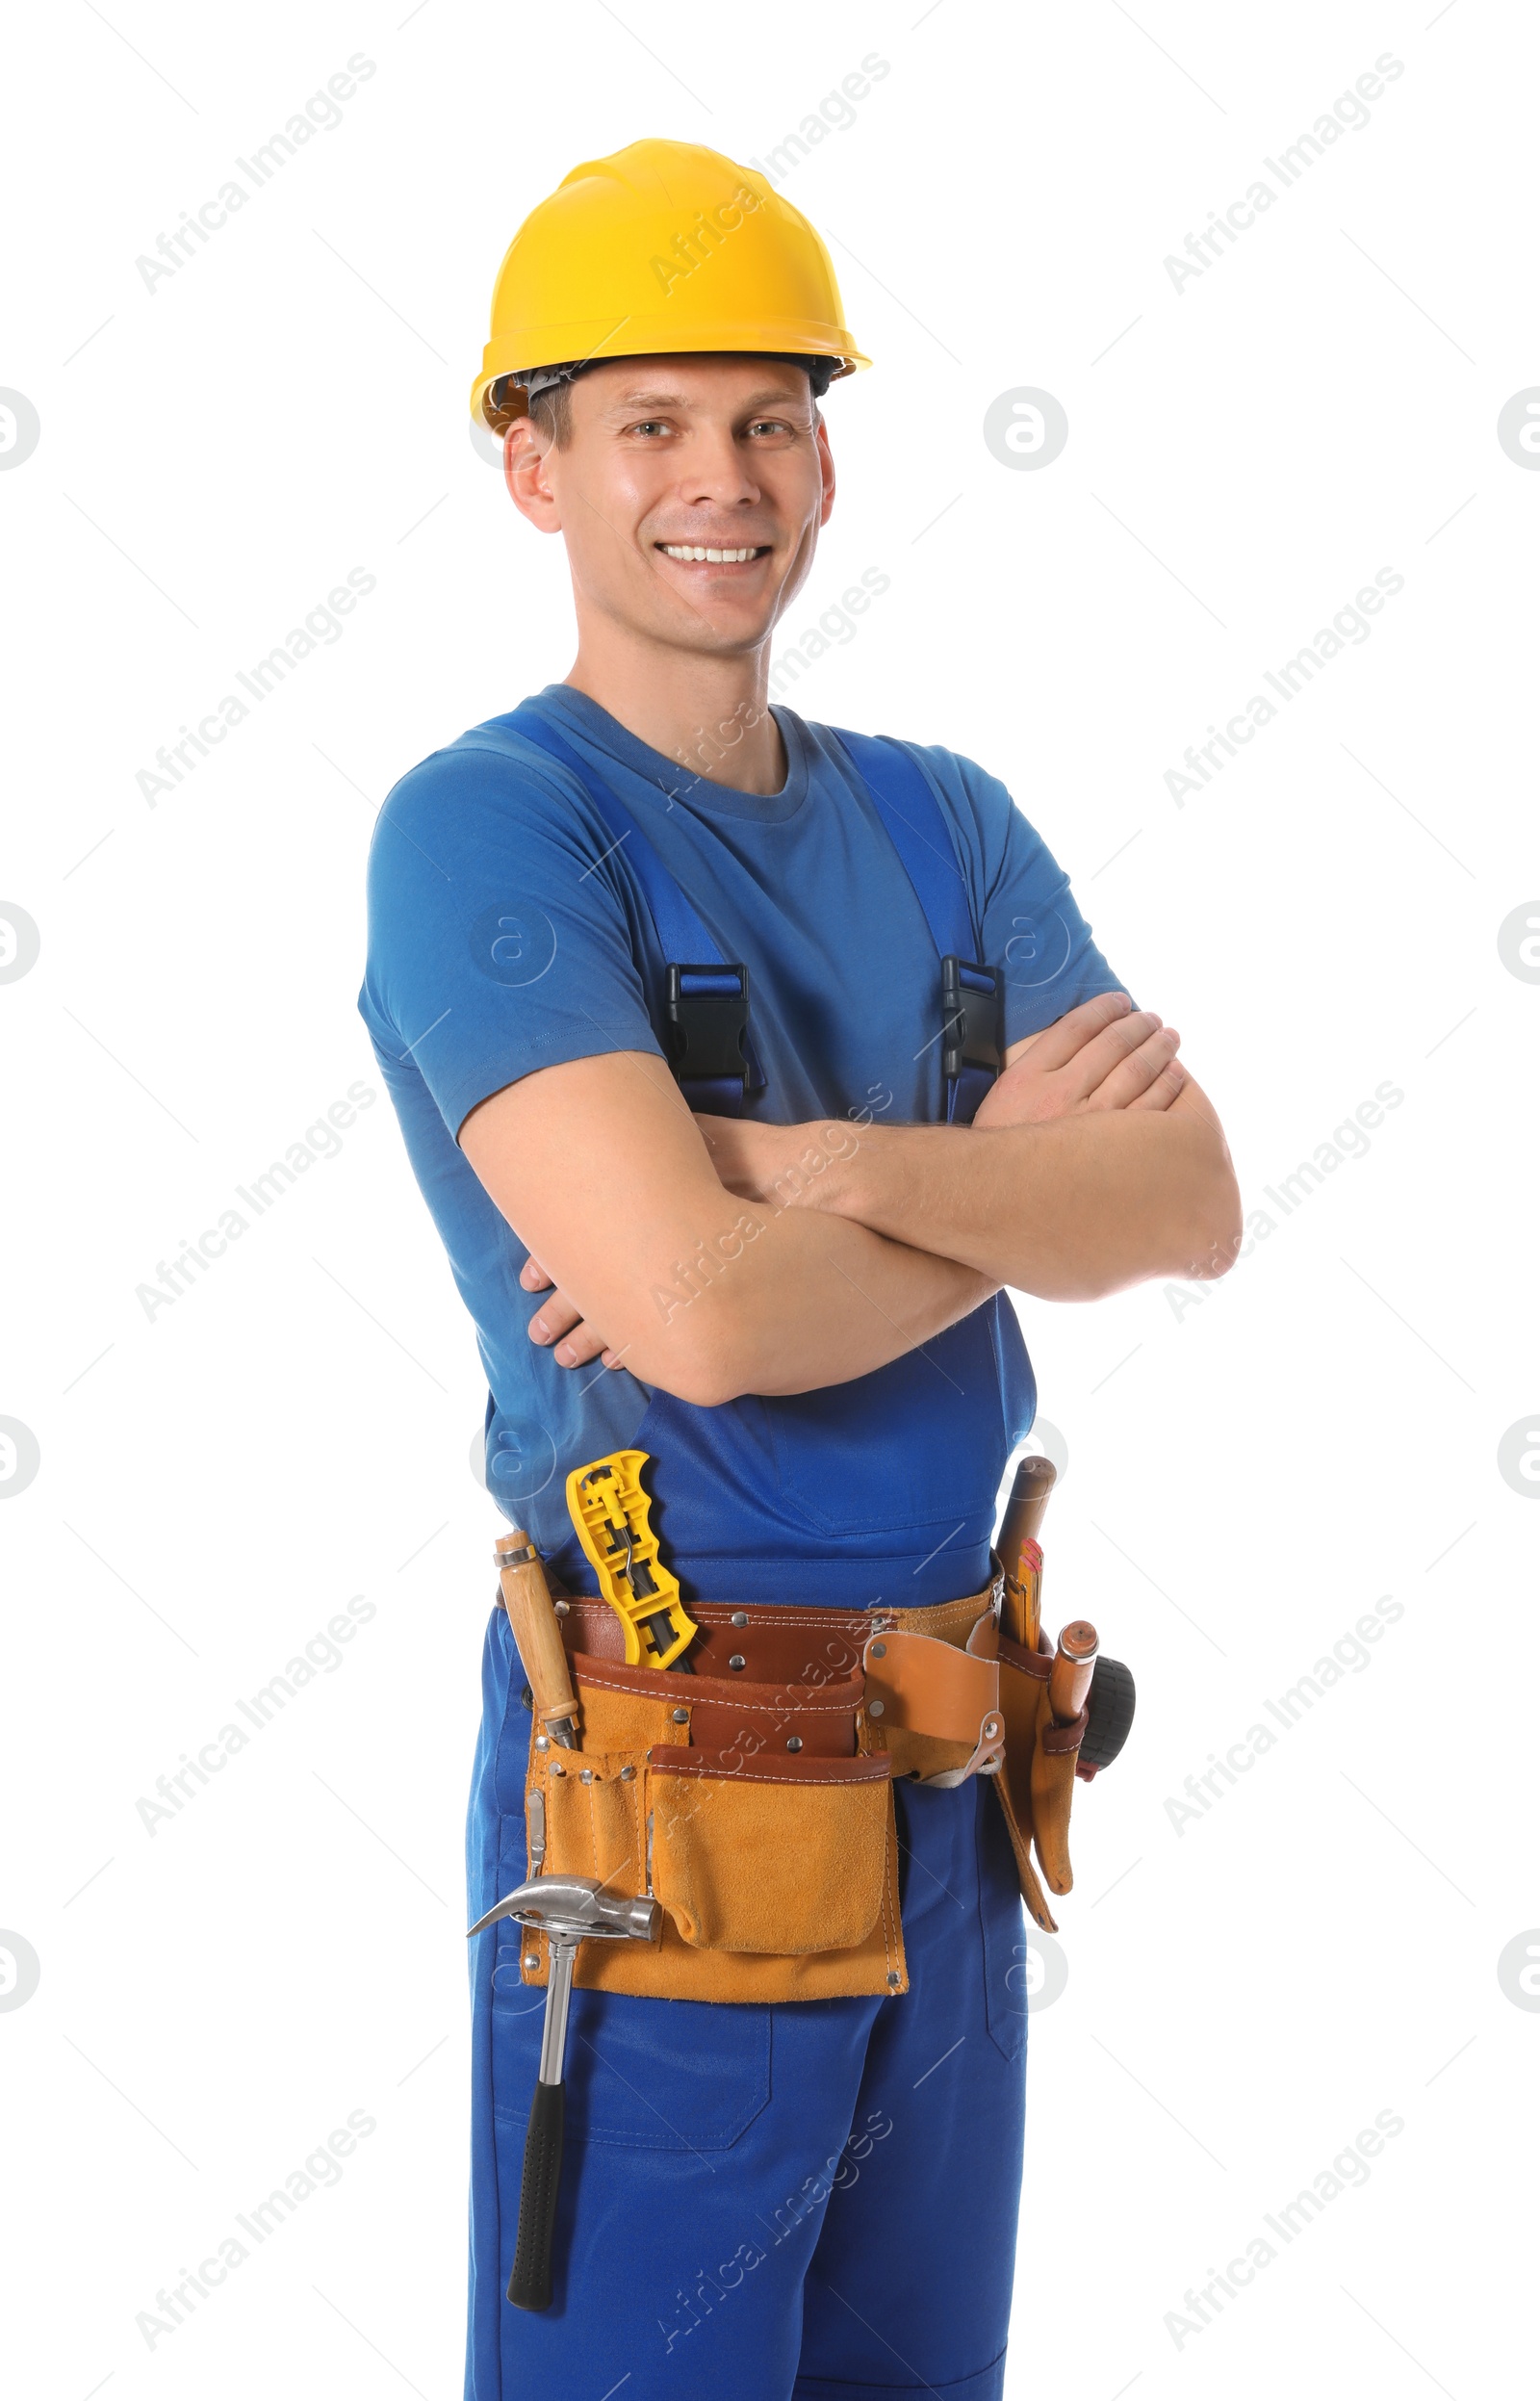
x=567 y=1910
x=1035 y=1480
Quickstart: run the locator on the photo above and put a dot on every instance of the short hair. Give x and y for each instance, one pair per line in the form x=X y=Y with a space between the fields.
x=550 y=410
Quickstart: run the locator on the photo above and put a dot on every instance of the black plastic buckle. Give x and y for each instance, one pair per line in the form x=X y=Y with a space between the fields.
x=707 y=1030
x=970 y=1016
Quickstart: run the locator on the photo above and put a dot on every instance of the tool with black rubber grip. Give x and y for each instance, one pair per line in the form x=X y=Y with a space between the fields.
x=1109 y=1717
x=567 y=1910
x=532 y=1615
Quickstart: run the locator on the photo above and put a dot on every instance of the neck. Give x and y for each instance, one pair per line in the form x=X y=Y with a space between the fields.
x=710 y=715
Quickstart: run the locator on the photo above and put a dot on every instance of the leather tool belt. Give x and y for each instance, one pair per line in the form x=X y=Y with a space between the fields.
x=753 y=1798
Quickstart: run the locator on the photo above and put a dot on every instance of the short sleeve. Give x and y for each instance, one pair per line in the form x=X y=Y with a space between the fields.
x=498 y=943
x=1032 y=925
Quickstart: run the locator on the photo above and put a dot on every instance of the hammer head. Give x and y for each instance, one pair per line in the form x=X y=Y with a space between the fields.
x=576 y=1908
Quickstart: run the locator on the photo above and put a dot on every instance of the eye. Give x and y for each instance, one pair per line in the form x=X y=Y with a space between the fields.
x=648 y=425
x=771 y=424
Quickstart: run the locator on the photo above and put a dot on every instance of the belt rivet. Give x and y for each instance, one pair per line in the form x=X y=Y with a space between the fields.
x=531 y=1960
x=737 y=1660
x=556 y=1769
x=990 y=1728
x=740 y=1616
x=893 y=1979
x=793 y=1741
x=879 y=1650
x=682 y=1716
x=874 y=1708
x=542 y=1741
x=586 y=1775
x=627 y=1774
x=563 y=1609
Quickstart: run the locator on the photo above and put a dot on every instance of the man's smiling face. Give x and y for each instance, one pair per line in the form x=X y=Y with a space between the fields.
x=690 y=494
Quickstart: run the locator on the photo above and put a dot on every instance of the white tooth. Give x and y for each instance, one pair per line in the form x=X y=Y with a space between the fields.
x=716 y=557
x=696 y=553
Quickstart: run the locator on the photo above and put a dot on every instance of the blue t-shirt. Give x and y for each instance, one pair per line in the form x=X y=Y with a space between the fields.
x=509 y=933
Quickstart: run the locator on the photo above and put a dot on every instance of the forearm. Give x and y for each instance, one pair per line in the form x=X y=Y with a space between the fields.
x=603 y=1171
x=1068 y=1210
x=792 y=1300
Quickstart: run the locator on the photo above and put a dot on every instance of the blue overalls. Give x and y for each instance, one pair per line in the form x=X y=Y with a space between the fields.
x=764 y=2199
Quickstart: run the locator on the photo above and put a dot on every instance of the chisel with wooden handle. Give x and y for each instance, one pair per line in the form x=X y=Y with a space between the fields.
x=1074 y=1666
x=527 y=1598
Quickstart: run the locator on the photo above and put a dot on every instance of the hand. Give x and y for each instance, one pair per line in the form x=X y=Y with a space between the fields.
x=1104 y=1055
x=557 y=1325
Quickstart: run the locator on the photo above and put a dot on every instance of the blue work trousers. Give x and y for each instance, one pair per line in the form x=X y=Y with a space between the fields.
x=760 y=2201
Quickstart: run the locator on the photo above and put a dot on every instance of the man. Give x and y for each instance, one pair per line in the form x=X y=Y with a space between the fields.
x=656 y=979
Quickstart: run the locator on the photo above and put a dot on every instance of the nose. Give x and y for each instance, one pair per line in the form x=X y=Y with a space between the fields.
x=716 y=473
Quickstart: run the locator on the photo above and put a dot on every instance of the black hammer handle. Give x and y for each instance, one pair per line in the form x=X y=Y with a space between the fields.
x=530 y=2285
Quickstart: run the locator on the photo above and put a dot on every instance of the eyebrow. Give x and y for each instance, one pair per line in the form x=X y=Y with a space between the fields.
x=765 y=398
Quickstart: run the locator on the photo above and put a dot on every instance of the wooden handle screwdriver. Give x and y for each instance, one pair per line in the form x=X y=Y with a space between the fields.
x=527 y=1598
x=1074 y=1666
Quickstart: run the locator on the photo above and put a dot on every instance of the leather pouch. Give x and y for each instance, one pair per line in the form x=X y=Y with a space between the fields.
x=760 y=1816
x=784 y=1855
x=1037 y=1784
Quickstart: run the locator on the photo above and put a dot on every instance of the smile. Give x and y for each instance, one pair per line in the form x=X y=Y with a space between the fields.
x=695 y=553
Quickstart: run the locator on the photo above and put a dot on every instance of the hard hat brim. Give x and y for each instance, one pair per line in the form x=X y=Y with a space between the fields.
x=660 y=338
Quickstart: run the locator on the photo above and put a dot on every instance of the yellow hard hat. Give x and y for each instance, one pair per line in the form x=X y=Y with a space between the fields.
x=661 y=247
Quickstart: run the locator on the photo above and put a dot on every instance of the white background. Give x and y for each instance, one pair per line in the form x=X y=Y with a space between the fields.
x=1246 y=1476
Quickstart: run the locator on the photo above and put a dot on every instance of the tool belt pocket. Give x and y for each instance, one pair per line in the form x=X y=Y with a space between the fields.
x=759 y=1816
x=1037 y=1783
x=788 y=1857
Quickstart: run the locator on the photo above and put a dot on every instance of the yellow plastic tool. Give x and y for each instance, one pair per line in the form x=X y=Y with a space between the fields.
x=609 y=1510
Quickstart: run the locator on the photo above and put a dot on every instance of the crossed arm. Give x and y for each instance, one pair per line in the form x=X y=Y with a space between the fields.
x=717 y=1256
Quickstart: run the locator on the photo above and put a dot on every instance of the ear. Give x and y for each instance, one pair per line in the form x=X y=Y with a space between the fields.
x=826 y=466
x=524 y=470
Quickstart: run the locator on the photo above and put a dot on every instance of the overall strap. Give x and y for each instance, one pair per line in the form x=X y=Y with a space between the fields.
x=708 y=1004
x=970 y=992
